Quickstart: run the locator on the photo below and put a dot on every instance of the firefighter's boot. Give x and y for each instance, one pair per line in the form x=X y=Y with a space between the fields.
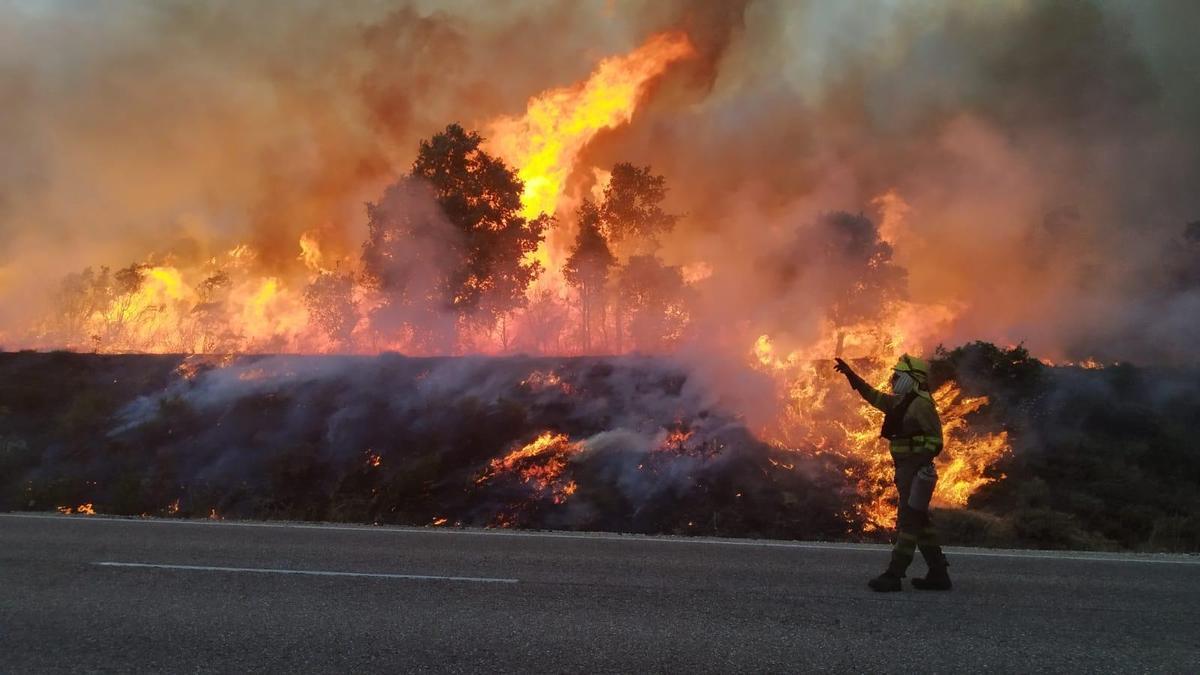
x=889 y=581
x=938 y=578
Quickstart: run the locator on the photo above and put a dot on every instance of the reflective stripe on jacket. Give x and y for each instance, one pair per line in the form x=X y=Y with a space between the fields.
x=922 y=428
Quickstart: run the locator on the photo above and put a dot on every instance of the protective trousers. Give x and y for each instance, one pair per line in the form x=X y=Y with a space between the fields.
x=914 y=528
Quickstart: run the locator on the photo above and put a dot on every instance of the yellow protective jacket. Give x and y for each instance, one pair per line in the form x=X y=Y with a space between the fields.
x=919 y=431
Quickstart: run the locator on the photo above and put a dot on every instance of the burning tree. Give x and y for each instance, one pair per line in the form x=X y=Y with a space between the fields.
x=588 y=266
x=865 y=283
x=331 y=305
x=543 y=322
x=210 y=313
x=655 y=297
x=632 y=207
x=632 y=217
x=80 y=296
x=466 y=260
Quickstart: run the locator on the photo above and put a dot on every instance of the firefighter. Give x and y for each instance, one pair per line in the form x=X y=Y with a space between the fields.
x=914 y=432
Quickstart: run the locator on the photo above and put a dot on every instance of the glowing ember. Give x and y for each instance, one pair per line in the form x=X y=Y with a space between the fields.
x=538 y=380
x=675 y=440
x=1087 y=364
x=82 y=509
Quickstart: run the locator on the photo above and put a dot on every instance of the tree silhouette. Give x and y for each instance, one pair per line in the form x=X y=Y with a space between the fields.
x=209 y=313
x=481 y=197
x=861 y=280
x=543 y=321
x=123 y=311
x=588 y=265
x=80 y=297
x=633 y=204
x=872 y=280
x=331 y=305
x=474 y=245
x=655 y=297
x=631 y=215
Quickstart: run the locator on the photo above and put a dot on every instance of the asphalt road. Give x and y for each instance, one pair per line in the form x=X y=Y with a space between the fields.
x=93 y=594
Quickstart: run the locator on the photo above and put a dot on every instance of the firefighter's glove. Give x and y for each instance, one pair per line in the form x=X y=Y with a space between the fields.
x=845 y=369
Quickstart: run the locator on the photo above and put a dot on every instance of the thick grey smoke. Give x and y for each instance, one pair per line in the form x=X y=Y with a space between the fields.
x=464 y=412
x=1047 y=152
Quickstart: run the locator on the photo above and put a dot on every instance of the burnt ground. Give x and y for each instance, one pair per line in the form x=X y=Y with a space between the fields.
x=1103 y=459
x=391 y=439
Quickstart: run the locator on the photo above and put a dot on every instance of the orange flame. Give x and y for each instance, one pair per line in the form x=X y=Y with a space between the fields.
x=546 y=141
x=539 y=464
x=821 y=414
x=310 y=252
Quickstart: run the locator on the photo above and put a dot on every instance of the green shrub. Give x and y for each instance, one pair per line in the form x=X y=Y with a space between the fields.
x=1046 y=528
x=967 y=527
x=1175 y=533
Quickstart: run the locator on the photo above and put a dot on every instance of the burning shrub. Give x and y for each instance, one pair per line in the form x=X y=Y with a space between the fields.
x=625 y=444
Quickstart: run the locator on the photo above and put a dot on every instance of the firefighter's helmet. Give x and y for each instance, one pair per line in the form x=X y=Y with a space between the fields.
x=918 y=368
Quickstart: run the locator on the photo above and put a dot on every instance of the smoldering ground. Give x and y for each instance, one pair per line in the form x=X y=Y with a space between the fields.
x=402 y=440
x=1102 y=457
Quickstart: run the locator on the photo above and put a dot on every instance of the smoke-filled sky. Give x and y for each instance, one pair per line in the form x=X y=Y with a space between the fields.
x=1045 y=155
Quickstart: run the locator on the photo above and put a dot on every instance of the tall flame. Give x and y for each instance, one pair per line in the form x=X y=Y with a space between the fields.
x=545 y=142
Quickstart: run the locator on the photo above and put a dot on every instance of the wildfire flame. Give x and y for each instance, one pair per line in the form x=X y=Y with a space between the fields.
x=823 y=415
x=545 y=142
x=970 y=454
x=227 y=305
x=310 y=252
x=1087 y=364
x=539 y=465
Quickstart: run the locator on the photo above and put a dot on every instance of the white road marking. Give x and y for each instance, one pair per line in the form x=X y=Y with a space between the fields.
x=314 y=573
x=1082 y=556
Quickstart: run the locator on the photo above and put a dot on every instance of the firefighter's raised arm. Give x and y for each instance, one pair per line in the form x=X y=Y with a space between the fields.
x=871 y=395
